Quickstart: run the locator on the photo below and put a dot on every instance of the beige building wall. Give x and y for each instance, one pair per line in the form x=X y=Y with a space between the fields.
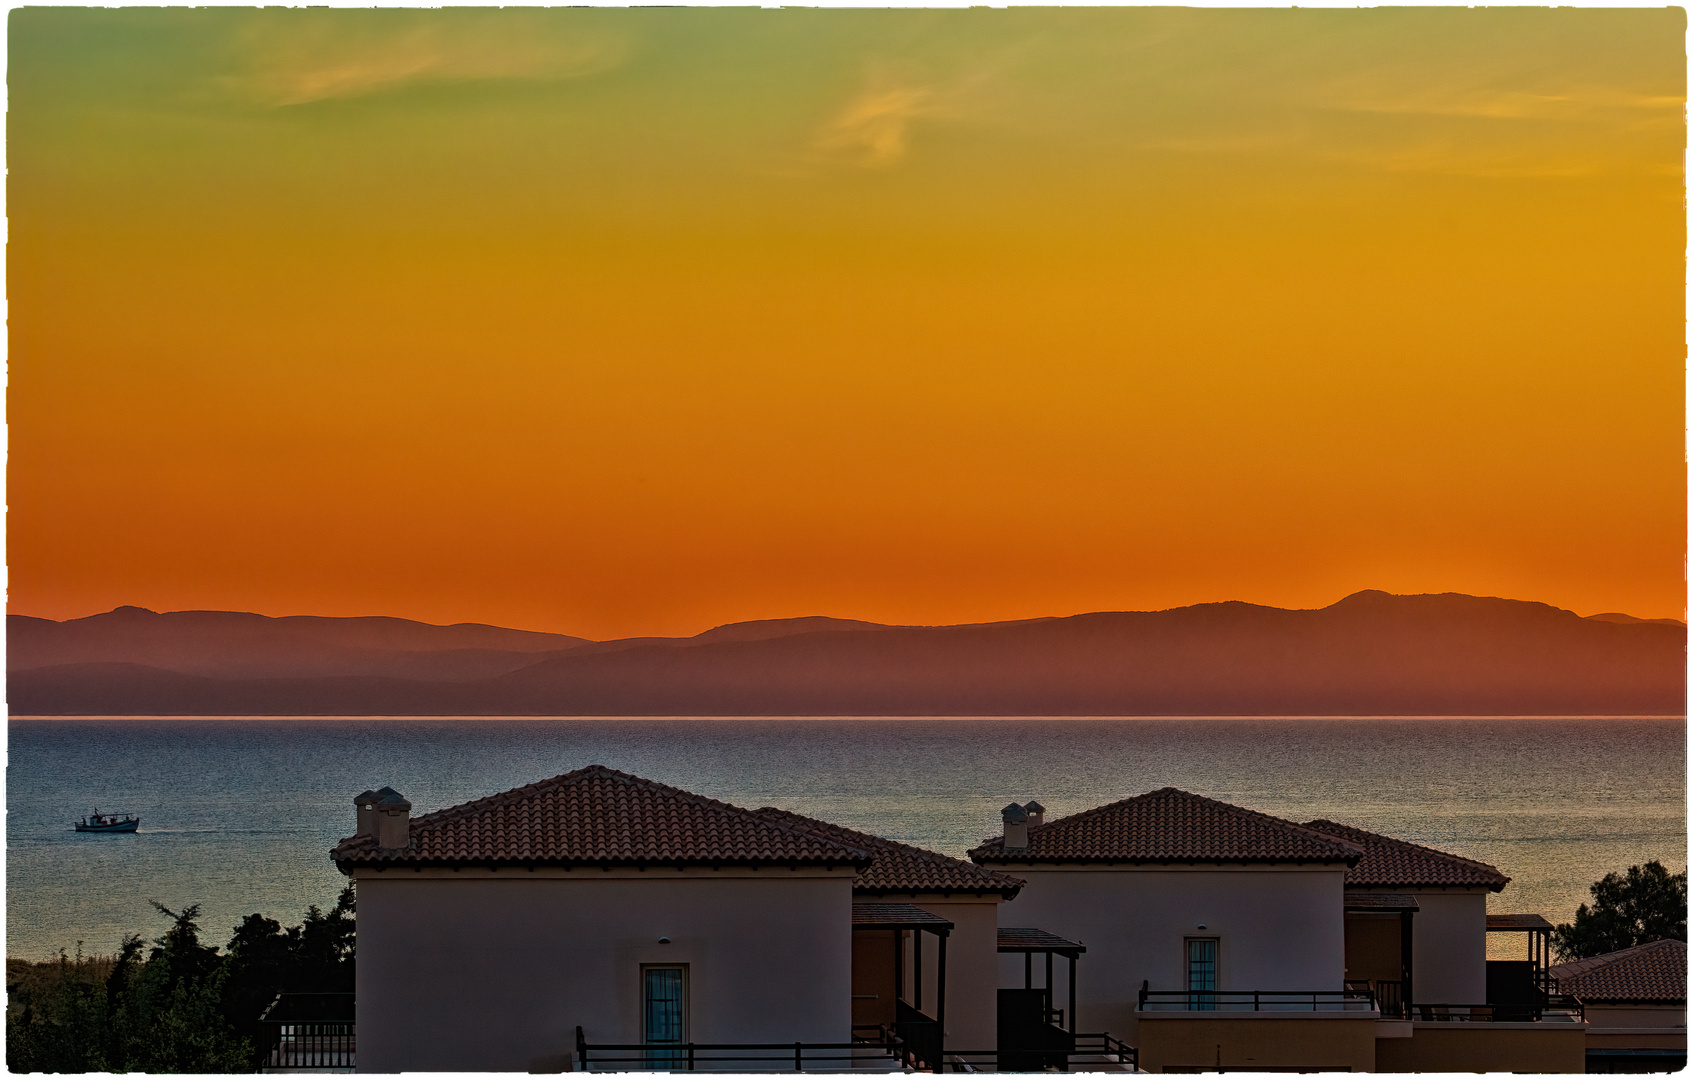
x=1636 y=1016
x=1486 y=1047
x=1278 y=928
x=1253 y=1042
x=486 y=971
x=1636 y=1027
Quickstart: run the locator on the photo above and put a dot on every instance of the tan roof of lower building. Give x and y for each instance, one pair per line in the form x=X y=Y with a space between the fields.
x=900 y=868
x=599 y=816
x=1169 y=826
x=1655 y=973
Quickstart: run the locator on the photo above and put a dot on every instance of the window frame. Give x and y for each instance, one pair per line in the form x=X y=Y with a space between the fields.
x=1203 y=999
x=685 y=1004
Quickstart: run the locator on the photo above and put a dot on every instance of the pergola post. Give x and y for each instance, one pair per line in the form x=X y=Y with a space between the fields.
x=940 y=1003
x=917 y=968
x=1405 y=954
x=899 y=968
x=1072 y=960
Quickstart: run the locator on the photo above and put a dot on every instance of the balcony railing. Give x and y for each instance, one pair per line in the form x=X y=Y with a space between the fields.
x=310 y=1032
x=1087 y=1045
x=1556 y=1009
x=1390 y=995
x=738 y=1057
x=1322 y=1001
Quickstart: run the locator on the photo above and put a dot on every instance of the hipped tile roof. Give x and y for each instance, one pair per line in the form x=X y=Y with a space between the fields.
x=1656 y=972
x=1169 y=826
x=901 y=868
x=599 y=816
x=1398 y=864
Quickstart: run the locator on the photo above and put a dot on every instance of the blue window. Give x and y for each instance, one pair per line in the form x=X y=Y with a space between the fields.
x=1201 y=973
x=664 y=1011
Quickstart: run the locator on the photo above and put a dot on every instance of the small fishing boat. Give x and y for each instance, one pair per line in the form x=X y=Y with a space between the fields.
x=98 y=822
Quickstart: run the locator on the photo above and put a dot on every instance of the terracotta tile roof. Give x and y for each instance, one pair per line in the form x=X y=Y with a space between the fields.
x=1399 y=864
x=901 y=868
x=898 y=916
x=1027 y=939
x=1169 y=826
x=1656 y=972
x=599 y=816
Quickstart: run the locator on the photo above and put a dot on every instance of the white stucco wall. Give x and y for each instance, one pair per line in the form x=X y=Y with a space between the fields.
x=1279 y=928
x=972 y=968
x=481 y=972
x=1449 y=945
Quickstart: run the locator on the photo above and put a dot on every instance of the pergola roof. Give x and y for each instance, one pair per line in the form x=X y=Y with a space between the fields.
x=1024 y=939
x=898 y=917
x=1363 y=901
x=1521 y=922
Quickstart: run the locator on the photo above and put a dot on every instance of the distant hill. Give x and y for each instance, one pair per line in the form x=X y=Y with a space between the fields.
x=238 y=644
x=1369 y=654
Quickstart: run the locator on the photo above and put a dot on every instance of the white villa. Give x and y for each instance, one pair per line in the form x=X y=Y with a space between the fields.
x=604 y=921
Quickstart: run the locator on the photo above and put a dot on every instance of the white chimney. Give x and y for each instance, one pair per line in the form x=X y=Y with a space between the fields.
x=1016 y=826
x=393 y=826
x=1036 y=812
x=366 y=802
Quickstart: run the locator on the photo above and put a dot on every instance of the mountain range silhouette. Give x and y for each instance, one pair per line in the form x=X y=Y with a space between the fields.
x=1371 y=653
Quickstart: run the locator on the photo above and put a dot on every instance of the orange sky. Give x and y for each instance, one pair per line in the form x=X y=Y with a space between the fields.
x=616 y=322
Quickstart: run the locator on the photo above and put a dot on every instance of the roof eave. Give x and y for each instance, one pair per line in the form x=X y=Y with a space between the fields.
x=857 y=865
x=1009 y=892
x=1058 y=860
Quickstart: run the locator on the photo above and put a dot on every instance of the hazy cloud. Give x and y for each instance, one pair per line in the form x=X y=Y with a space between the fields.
x=875 y=127
x=1566 y=103
x=338 y=58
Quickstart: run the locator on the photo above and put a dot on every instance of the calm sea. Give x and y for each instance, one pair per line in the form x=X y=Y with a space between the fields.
x=238 y=815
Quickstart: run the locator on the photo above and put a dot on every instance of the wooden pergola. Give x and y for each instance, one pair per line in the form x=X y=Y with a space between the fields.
x=1029 y=941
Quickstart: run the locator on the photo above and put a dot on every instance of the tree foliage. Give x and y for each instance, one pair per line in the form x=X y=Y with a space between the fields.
x=179 y=1006
x=1644 y=904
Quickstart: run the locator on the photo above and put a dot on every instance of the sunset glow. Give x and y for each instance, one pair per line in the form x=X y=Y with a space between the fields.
x=616 y=322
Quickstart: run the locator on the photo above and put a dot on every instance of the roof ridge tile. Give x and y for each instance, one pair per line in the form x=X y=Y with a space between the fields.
x=1169 y=825
x=617 y=817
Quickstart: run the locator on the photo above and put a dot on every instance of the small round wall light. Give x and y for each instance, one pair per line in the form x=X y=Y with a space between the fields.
x=1202 y=926
x=666 y=941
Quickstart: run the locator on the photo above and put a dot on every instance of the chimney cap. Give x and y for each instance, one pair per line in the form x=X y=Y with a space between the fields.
x=393 y=799
x=1014 y=814
x=1034 y=807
